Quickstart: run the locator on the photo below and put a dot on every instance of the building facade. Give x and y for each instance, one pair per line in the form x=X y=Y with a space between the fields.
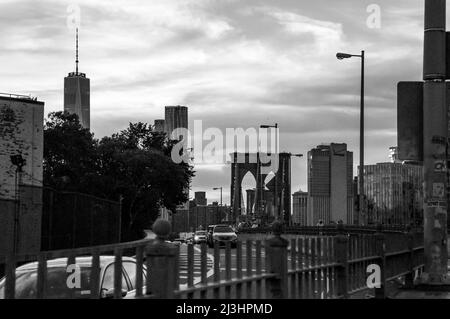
x=393 y=193
x=393 y=155
x=200 y=199
x=330 y=185
x=21 y=133
x=77 y=97
x=300 y=208
x=199 y=218
x=21 y=173
x=175 y=117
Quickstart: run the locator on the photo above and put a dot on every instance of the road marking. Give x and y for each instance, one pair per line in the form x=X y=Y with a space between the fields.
x=183 y=266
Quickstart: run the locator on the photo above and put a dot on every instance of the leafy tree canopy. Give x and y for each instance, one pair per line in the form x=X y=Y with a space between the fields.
x=134 y=165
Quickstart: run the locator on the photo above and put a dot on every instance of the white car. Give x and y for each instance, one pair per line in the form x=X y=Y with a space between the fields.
x=221 y=234
x=58 y=278
x=200 y=237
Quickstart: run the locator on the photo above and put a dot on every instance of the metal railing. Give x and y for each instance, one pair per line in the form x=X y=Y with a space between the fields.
x=229 y=282
x=332 y=230
x=316 y=267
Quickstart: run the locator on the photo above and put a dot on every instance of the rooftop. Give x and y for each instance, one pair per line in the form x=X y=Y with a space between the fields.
x=76 y=74
x=19 y=97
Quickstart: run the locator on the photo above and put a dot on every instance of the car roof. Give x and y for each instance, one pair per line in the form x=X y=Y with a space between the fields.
x=85 y=261
x=224 y=226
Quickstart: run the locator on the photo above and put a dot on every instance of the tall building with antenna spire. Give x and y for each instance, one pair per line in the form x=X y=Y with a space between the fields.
x=77 y=93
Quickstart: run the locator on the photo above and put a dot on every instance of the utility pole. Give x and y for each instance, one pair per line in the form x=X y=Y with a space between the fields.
x=435 y=141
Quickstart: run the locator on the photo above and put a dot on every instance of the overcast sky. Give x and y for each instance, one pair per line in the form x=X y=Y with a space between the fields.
x=233 y=63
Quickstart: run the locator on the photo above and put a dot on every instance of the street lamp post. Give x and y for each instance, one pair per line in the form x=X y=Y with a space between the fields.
x=276 y=176
x=342 y=56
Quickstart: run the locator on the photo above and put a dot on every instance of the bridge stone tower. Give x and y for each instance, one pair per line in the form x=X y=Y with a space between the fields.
x=279 y=185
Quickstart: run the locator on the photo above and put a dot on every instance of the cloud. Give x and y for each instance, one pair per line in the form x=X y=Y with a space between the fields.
x=324 y=33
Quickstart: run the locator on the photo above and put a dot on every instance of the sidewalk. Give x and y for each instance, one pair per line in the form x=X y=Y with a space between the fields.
x=426 y=292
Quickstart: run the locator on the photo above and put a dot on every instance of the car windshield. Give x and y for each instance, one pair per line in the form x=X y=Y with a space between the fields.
x=202 y=232
x=57 y=284
x=223 y=229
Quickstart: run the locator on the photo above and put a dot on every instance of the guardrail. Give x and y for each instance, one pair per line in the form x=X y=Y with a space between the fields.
x=333 y=230
x=314 y=266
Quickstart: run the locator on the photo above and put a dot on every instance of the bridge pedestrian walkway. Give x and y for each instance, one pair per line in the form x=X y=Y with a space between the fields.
x=428 y=293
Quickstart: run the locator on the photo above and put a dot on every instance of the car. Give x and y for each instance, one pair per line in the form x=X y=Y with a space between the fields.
x=58 y=280
x=221 y=234
x=189 y=237
x=200 y=237
x=179 y=241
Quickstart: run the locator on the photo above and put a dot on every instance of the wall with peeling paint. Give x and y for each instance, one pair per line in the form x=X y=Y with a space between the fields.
x=21 y=132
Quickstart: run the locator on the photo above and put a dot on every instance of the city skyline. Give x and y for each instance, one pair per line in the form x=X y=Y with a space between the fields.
x=215 y=156
x=167 y=52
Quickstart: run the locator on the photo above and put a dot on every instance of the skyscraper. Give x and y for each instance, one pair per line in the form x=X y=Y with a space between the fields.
x=393 y=193
x=77 y=94
x=175 y=117
x=300 y=208
x=330 y=187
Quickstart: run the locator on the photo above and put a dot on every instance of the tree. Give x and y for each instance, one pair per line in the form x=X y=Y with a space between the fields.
x=69 y=153
x=134 y=164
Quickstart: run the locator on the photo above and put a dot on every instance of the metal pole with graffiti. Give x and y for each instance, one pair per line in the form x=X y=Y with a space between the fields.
x=435 y=140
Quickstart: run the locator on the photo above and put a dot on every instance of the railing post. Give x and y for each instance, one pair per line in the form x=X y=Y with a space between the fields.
x=380 y=293
x=162 y=262
x=341 y=250
x=409 y=278
x=276 y=252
